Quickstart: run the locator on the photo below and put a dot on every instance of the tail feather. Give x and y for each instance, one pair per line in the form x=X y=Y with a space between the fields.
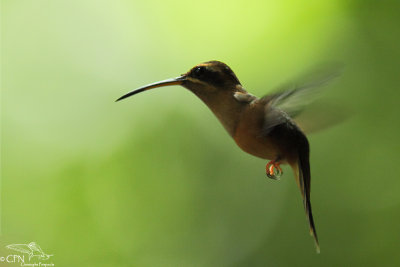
x=303 y=178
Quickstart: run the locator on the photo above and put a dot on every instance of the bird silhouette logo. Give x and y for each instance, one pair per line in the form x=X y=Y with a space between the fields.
x=32 y=249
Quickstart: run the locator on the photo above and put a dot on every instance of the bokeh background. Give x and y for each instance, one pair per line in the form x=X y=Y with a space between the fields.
x=155 y=180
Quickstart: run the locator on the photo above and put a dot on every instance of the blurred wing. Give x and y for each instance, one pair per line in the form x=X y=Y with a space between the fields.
x=322 y=115
x=291 y=99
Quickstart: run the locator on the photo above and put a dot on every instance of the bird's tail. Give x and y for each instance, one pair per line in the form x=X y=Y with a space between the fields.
x=303 y=178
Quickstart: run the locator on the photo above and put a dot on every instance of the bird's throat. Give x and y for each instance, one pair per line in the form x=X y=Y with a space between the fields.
x=225 y=107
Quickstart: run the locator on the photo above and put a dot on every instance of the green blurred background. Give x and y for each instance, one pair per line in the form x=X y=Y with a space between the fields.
x=155 y=180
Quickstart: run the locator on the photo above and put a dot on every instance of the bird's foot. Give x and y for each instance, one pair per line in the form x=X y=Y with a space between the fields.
x=273 y=170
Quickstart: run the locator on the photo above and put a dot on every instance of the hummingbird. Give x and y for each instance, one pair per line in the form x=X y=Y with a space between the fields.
x=263 y=127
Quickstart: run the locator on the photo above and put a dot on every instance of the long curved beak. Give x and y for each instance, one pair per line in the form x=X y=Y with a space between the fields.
x=174 y=81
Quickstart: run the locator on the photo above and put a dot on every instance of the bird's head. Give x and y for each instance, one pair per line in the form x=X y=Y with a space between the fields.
x=204 y=78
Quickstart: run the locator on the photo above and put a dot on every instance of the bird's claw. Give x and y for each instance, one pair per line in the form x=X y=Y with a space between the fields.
x=273 y=170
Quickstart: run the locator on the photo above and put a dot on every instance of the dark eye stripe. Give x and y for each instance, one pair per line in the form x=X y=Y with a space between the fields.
x=199 y=71
x=214 y=77
x=209 y=76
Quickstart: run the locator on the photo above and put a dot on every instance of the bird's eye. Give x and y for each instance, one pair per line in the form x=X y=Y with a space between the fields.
x=199 y=71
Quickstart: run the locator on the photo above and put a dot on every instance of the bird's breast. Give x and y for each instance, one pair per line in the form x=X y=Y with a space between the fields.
x=249 y=135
